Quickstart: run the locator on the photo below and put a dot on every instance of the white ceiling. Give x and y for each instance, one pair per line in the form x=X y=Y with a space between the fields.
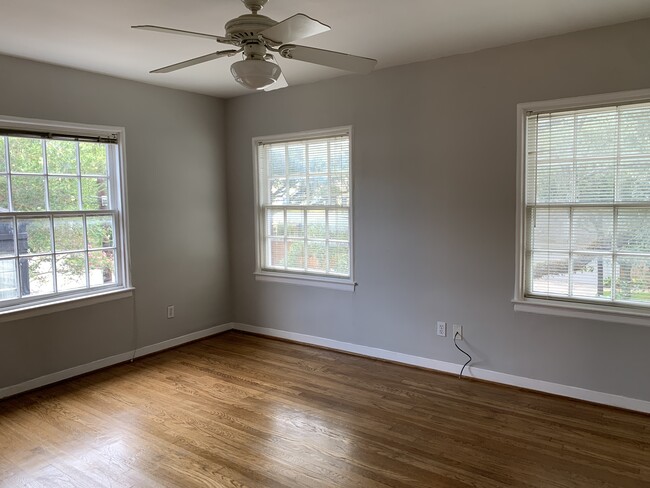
x=95 y=35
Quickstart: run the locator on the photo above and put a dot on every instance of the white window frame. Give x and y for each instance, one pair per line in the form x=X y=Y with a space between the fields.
x=300 y=278
x=34 y=306
x=554 y=306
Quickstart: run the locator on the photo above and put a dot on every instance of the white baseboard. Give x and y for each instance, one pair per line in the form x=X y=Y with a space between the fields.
x=373 y=352
x=177 y=341
x=110 y=361
x=478 y=373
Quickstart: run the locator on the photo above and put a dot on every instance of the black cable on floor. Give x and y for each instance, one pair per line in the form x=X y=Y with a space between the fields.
x=468 y=361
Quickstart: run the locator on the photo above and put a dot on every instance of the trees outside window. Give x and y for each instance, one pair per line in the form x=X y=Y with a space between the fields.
x=61 y=220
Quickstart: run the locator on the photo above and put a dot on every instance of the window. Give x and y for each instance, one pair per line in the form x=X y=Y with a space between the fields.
x=61 y=213
x=304 y=216
x=585 y=204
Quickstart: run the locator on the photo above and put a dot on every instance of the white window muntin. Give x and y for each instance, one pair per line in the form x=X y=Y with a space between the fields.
x=560 y=303
x=265 y=270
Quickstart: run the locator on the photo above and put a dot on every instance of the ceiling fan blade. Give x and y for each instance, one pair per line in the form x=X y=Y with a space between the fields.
x=168 y=30
x=193 y=61
x=281 y=83
x=296 y=27
x=333 y=59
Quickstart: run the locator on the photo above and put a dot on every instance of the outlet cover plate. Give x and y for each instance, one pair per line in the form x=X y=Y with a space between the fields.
x=458 y=329
x=442 y=329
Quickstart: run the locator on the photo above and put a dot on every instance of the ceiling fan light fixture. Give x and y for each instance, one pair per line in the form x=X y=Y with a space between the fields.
x=255 y=73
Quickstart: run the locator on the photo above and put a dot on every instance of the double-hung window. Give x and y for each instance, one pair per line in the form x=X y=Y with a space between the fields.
x=62 y=223
x=584 y=206
x=304 y=208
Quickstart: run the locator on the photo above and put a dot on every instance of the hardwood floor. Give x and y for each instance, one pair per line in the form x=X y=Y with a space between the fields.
x=239 y=410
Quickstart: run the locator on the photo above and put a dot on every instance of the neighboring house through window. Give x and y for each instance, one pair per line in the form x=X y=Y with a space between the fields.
x=304 y=208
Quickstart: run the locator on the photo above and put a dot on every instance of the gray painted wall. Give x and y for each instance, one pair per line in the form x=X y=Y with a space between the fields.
x=177 y=201
x=434 y=167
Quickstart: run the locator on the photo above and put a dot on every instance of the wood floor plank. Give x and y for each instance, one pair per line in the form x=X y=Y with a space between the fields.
x=240 y=410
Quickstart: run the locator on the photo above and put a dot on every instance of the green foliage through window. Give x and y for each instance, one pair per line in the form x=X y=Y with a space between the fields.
x=58 y=233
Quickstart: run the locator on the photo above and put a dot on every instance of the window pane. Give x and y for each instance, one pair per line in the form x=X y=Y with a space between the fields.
x=61 y=157
x=559 y=139
x=318 y=190
x=297 y=162
x=34 y=236
x=7 y=242
x=339 y=225
x=28 y=193
x=101 y=231
x=339 y=258
x=38 y=275
x=4 y=194
x=633 y=230
x=101 y=266
x=593 y=229
x=297 y=191
x=550 y=229
x=316 y=228
x=597 y=134
x=318 y=157
x=634 y=130
x=68 y=234
x=549 y=273
x=275 y=225
x=633 y=280
x=634 y=180
x=316 y=256
x=339 y=156
x=3 y=159
x=277 y=162
x=595 y=181
x=295 y=223
x=276 y=253
x=340 y=191
x=8 y=279
x=554 y=183
x=591 y=276
x=92 y=157
x=64 y=193
x=94 y=193
x=25 y=155
x=277 y=191
x=296 y=255
x=71 y=271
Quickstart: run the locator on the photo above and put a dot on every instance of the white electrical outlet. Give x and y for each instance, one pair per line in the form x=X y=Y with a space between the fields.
x=458 y=329
x=170 y=312
x=442 y=329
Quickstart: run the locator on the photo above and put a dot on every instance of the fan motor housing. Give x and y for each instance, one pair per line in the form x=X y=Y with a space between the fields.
x=248 y=26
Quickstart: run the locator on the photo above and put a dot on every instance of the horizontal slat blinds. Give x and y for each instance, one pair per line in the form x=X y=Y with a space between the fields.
x=304 y=194
x=588 y=204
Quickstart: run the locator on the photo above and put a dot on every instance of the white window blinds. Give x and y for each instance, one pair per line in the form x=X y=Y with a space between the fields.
x=588 y=205
x=304 y=196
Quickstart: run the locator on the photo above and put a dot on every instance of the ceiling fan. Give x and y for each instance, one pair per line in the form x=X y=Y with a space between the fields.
x=256 y=37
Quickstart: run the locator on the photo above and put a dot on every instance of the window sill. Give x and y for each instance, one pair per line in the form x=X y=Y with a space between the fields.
x=66 y=303
x=604 y=313
x=320 y=281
